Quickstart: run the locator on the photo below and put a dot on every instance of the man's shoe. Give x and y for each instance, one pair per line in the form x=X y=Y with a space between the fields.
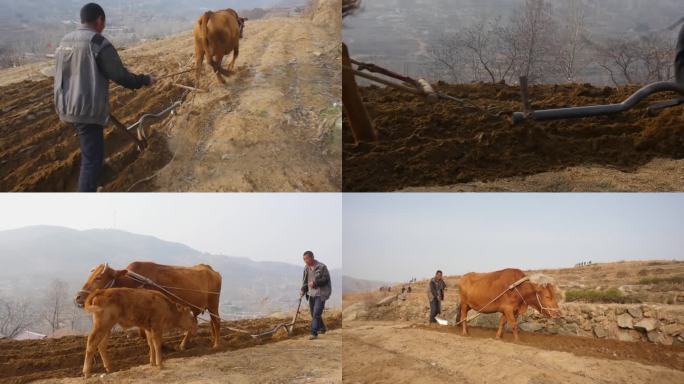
x=323 y=331
x=313 y=337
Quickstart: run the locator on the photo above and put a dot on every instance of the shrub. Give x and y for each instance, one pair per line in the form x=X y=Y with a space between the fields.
x=611 y=295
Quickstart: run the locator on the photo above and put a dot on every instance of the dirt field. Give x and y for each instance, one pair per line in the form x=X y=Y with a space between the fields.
x=429 y=146
x=383 y=352
x=285 y=362
x=24 y=361
x=275 y=126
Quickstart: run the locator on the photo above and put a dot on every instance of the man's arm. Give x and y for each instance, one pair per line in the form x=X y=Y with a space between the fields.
x=323 y=278
x=305 y=285
x=109 y=63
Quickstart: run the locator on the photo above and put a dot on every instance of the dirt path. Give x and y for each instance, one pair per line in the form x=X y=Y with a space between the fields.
x=289 y=361
x=276 y=125
x=382 y=352
x=25 y=361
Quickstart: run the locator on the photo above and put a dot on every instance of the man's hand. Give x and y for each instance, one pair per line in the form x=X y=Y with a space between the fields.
x=152 y=80
x=312 y=285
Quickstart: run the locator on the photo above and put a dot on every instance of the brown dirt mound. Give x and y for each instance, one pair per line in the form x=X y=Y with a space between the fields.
x=24 y=361
x=38 y=153
x=645 y=353
x=443 y=143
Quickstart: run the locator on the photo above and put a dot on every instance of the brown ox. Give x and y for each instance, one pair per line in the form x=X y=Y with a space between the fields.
x=148 y=310
x=217 y=34
x=199 y=286
x=478 y=289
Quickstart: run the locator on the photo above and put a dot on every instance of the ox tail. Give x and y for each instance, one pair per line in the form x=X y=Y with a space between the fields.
x=203 y=25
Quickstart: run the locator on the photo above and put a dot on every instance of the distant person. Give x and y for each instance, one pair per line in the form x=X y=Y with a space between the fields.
x=435 y=293
x=85 y=62
x=317 y=288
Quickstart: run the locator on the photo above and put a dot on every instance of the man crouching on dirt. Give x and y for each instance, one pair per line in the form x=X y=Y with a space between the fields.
x=85 y=62
x=316 y=286
x=435 y=291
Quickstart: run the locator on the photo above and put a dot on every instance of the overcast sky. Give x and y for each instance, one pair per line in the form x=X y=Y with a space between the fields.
x=262 y=227
x=399 y=236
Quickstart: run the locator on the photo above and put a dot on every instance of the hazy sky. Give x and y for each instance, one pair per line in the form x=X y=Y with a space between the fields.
x=274 y=227
x=399 y=236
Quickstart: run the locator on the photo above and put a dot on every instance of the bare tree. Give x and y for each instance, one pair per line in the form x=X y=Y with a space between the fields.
x=55 y=303
x=16 y=316
x=657 y=57
x=447 y=54
x=534 y=31
x=572 y=39
x=494 y=53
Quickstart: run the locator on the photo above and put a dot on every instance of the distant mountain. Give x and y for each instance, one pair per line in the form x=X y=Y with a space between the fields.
x=32 y=257
x=352 y=285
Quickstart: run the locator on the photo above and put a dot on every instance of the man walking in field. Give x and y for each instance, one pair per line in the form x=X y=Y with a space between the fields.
x=85 y=62
x=317 y=288
x=435 y=291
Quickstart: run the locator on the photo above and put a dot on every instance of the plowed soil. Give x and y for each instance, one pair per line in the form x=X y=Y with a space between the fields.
x=438 y=144
x=275 y=125
x=25 y=361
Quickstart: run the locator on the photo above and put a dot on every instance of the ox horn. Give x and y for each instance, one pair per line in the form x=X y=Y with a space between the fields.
x=106 y=265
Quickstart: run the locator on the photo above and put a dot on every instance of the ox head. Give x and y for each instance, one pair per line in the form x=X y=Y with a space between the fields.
x=241 y=23
x=102 y=276
x=547 y=296
x=186 y=319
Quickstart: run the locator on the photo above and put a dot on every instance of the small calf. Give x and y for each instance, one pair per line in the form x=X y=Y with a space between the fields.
x=146 y=309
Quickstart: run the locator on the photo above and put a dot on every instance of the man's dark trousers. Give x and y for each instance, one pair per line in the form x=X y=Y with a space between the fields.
x=92 y=156
x=435 y=309
x=316 y=305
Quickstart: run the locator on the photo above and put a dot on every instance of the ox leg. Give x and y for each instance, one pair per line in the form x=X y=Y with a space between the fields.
x=150 y=345
x=502 y=324
x=157 y=341
x=464 y=317
x=102 y=348
x=94 y=340
x=217 y=68
x=184 y=342
x=510 y=316
x=236 y=52
x=215 y=320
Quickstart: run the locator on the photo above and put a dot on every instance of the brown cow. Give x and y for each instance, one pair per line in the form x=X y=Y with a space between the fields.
x=217 y=34
x=148 y=310
x=199 y=286
x=478 y=289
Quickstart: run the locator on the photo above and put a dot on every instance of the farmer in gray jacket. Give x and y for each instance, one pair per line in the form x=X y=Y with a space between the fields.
x=435 y=291
x=85 y=62
x=316 y=286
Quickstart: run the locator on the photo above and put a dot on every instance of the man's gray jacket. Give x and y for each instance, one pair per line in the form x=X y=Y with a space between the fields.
x=321 y=279
x=85 y=61
x=435 y=289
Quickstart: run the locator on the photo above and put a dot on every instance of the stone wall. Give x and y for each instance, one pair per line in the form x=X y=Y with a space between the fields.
x=655 y=323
